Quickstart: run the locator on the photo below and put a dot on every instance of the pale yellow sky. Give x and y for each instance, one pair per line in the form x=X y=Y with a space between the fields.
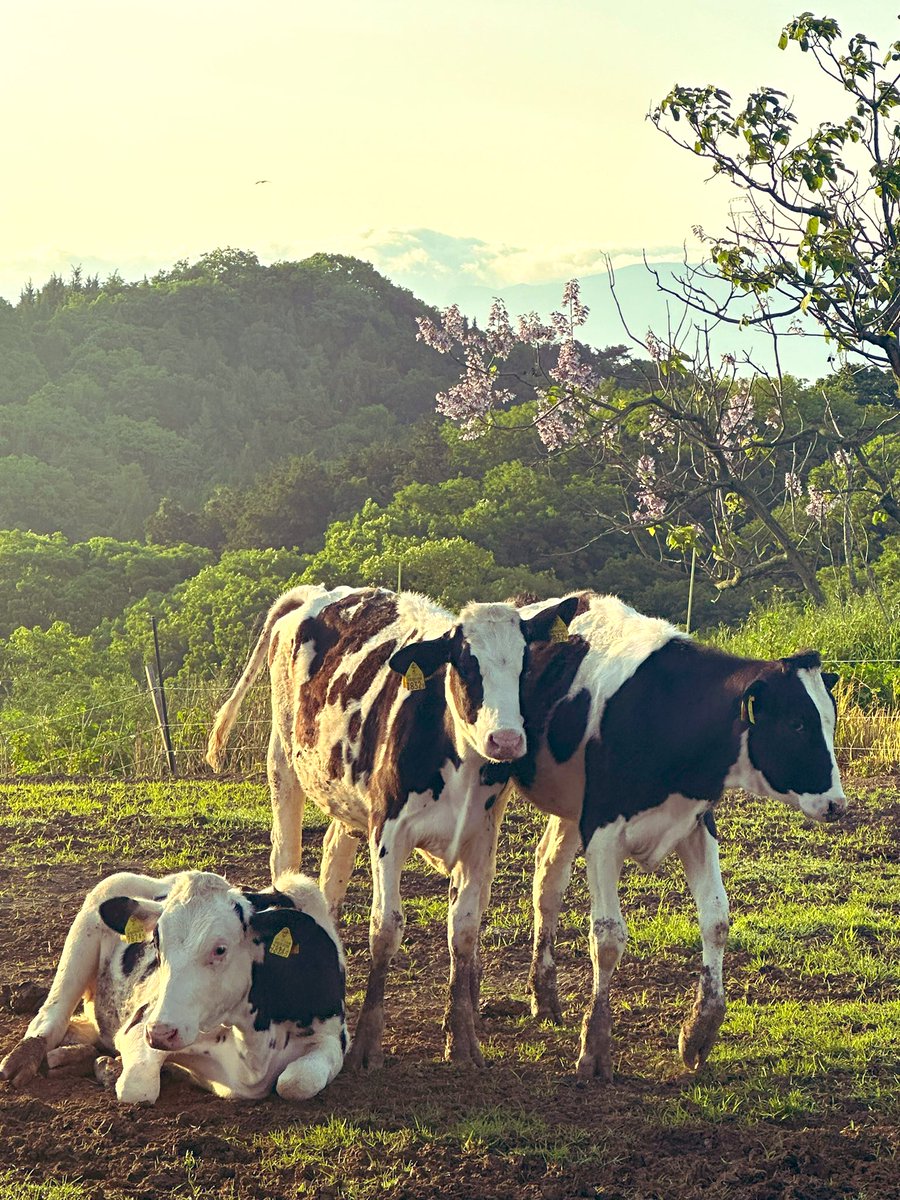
x=133 y=131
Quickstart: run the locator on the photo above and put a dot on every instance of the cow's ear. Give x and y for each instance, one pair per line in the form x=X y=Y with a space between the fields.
x=280 y=929
x=550 y=624
x=427 y=657
x=125 y=915
x=753 y=701
x=830 y=679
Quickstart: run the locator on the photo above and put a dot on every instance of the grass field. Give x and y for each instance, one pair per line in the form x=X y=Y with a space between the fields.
x=800 y=1099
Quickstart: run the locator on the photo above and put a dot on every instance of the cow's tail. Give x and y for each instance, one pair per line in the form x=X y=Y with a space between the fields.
x=227 y=714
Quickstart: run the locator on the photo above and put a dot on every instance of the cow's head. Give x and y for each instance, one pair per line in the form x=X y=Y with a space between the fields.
x=204 y=952
x=487 y=651
x=789 y=714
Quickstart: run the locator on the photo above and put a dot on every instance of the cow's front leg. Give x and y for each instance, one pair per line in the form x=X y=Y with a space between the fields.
x=388 y=854
x=138 y=1081
x=286 y=796
x=338 y=858
x=75 y=975
x=700 y=855
x=553 y=861
x=604 y=857
x=470 y=894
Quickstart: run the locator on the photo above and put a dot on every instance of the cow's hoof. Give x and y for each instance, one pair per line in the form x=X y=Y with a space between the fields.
x=546 y=1008
x=699 y=1032
x=594 y=1066
x=696 y=1040
x=107 y=1069
x=24 y=1061
x=463 y=1052
x=544 y=995
x=75 y=1054
x=363 y=1057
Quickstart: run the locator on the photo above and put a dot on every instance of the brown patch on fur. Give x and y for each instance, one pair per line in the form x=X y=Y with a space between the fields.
x=346 y=689
x=419 y=743
x=336 y=761
x=354 y=727
x=335 y=635
x=466 y=696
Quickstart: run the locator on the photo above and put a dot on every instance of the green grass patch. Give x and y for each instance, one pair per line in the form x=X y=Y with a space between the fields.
x=14 y=1187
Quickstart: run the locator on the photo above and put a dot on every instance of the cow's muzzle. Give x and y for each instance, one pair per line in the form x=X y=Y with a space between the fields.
x=505 y=745
x=164 y=1037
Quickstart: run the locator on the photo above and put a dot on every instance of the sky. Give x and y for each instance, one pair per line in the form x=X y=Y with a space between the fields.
x=497 y=141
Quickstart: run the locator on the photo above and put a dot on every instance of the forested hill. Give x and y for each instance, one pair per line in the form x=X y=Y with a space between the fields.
x=114 y=395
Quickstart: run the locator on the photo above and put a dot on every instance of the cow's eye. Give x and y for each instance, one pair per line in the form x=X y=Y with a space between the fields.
x=798 y=725
x=220 y=951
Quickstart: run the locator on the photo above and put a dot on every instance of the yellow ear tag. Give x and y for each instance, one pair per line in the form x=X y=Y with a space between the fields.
x=559 y=631
x=414 y=679
x=134 y=930
x=282 y=943
x=749 y=708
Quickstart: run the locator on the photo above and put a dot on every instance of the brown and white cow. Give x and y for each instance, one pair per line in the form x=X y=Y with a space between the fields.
x=634 y=732
x=401 y=766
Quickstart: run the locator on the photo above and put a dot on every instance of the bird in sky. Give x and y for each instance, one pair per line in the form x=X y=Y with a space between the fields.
x=262 y=181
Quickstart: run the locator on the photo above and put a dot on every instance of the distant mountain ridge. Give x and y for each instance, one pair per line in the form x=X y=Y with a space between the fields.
x=643 y=307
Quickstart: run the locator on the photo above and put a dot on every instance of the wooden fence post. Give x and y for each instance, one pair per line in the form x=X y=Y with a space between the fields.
x=158 y=694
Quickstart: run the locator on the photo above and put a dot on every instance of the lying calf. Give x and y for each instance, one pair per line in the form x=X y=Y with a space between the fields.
x=243 y=990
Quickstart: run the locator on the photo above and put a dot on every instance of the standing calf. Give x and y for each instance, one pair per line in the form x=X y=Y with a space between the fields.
x=242 y=990
x=402 y=766
x=634 y=731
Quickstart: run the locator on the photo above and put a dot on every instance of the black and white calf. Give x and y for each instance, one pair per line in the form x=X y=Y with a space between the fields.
x=400 y=765
x=242 y=990
x=634 y=731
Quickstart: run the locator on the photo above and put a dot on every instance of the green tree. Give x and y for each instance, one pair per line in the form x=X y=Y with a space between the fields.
x=818 y=229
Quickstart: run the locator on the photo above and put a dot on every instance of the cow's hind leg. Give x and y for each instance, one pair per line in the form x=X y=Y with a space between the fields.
x=388 y=853
x=338 y=858
x=307 y=1076
x=700 y=855
x=287 y=808
x=553 y=861
x=604 y=859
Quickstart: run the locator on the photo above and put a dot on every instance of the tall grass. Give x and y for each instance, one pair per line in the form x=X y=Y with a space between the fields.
x=859 y=638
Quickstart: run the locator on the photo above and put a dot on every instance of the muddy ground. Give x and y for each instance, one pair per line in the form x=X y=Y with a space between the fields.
x=193 y=1144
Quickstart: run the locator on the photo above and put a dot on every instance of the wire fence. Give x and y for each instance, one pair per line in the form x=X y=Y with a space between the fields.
x=120 y=737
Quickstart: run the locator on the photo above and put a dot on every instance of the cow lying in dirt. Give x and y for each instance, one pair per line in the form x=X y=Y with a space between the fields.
x=401 y=766
x=242 y=990
x=634 y=731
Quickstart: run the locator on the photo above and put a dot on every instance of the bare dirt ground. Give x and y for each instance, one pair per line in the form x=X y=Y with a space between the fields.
x=193 y=1144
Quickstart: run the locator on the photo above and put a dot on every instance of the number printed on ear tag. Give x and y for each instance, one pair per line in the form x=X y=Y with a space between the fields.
x=559 y=631
x=134 y=930
x=282 y=943
x=414 y=679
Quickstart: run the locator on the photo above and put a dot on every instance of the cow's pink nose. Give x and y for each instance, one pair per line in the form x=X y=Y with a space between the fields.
x=505 y=745
x=163 y=1037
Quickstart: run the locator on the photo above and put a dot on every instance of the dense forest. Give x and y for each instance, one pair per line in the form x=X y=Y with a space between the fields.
x=186 y=447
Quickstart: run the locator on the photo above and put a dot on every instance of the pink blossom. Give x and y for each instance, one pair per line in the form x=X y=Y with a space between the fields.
x=500 y=336
x=571 y=371
x=820 y=505
x=651 y=506
x=793 y=484
x=433 y=335
x=533 y=331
